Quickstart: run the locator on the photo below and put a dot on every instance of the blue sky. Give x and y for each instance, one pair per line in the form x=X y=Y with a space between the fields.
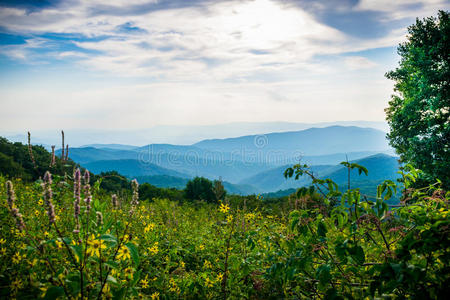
x=129 y=64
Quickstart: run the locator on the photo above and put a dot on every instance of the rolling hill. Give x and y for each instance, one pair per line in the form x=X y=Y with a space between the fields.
x=380 y=167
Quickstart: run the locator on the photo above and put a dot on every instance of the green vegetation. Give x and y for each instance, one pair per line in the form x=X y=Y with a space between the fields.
x=419 y=112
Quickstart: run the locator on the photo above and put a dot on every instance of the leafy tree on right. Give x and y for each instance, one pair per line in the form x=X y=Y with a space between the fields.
x=418 y=113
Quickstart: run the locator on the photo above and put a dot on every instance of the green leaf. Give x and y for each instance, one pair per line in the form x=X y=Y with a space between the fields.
x=321 y=229
x=134 y=253
x=108 y=238
x=54 y=292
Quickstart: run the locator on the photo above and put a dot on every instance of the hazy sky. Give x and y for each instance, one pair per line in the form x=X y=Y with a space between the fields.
x=137 y=63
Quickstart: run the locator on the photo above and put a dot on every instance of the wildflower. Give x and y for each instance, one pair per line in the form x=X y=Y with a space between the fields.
x=16 y=284
x=144 y=283
x=229 y=219
x=219 y=277
x=36 y=212
x=135 y=186
x=48 y=194
x=249 y=216
x=123 y=253
x=95 y=246
x=201 y=247
x=207 y=265
x=52 y=162
x=208 y=282
x=128 y=272
x=2 y=241
x=77 y=195
x=40 y=202
x=149 y=227
x=16 y=258
x=99 y=218
x=182 y=264
x=114 y=201
x=155 y=296
x=224 y=208
x=3 y=251
x=154 y=249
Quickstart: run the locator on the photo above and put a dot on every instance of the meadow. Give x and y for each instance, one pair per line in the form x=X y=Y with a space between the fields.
x=63 y=238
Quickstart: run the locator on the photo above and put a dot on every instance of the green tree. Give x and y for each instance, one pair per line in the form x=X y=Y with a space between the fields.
x=418 y=113
x=219 y=190
x=200 y=188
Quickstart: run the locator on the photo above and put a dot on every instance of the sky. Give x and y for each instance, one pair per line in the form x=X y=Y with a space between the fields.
x=133 y=64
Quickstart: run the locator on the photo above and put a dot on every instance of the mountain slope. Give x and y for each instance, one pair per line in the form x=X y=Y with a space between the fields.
x=130 y=168
x=313 y=141
x=380 y=167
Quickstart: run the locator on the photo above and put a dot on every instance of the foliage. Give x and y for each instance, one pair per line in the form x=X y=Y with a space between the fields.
x=200 y=188
x=419 y=113
x=15 y=161
x=150 y=192
x=304 y=247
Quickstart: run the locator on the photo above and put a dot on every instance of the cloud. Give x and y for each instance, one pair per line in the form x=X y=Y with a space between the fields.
x=135 y=64
x=359 y=62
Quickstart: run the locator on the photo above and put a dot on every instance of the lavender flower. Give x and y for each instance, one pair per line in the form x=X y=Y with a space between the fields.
x=14 y=211
x=135 y=186
x=114 y=201
x=77 y=195
x=99 y=218
x=52 y=163
x=48 y=194
x=11 y=194
x=30 y=150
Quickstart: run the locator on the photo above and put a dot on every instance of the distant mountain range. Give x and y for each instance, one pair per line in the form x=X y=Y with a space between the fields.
x=247 y=164
x=184 y=135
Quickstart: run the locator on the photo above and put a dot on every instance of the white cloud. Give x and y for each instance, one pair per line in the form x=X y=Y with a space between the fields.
x=228 y=61
x=401 y=9
x=359 y=62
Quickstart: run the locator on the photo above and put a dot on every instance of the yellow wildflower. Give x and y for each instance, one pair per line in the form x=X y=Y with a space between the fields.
x=144 y=283
x=3 y=251
x=16 y=258
x=229 y=218
x=123 y=253
x=95 y=246
x=41 y=202
x=219 y=277
x=149 y=227
x=201 y=247
x=2 y=241
x=155 y=296
x=154 y=249
x=207 y=265
x=58 y=244
x=208 y=282
x=16 y=284
x=224 y=208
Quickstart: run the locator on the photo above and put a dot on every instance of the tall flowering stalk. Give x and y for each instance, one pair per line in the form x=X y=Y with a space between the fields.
x=62 y=148
x=114 y=201
x=12 y=208
x=135 y=199
x=77 y=196
x=87 y=191
x=53 y=161
x=67 y=152
x=48 y=195
x=30 y=150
